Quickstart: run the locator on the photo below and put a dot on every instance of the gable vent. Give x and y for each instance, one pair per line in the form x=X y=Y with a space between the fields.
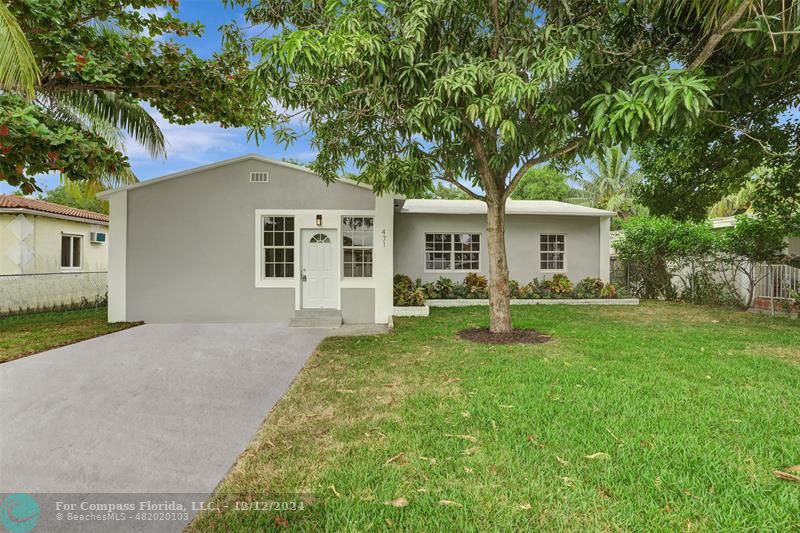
x=259 y=177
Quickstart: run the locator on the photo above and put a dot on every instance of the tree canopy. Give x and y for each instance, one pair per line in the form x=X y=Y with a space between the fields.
x=98 y=59
x=609 y=181
x=413 y=91
x=753 y=122
x=484 y=90
x=543 y=183
x=78 y=194
x=686 y=173
x=442 y=191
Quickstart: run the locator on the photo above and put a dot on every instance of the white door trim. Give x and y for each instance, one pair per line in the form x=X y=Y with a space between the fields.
x=331 y=275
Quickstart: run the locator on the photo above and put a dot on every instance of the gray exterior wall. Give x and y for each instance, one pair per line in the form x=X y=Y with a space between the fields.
x=793 y=247
x=358 y=306
x=190 y=242
x=583 y=238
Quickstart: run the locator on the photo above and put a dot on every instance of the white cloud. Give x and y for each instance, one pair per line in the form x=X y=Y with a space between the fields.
x=194 y=143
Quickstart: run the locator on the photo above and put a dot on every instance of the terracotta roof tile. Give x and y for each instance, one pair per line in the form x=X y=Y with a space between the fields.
x=8 y=201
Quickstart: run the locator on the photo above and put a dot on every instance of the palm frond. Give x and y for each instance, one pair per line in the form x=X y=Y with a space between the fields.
x=734 y=203
x=18 y=68
x=124 y=177
x=107 y=111
x=59 y=108
x=114 y=136
x=81 y=190
x=609 y=183
x=56 y=108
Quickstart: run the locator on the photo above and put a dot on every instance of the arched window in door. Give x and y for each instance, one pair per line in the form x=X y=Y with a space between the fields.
x=320 y=238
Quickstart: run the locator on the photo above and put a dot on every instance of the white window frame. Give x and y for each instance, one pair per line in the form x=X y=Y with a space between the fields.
x=72 y=236
x=371 y=247
x=452 y=252
x=263 y=248
x=540 y=252
x=306 y=219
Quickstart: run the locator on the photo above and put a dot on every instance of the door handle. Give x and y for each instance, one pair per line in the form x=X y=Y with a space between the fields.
x=304 y=278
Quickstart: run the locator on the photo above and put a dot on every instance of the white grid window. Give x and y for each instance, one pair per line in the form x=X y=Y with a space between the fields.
x=357 y=247
x=552 y=251
x=452 y=251
x=278 y=244
x=71 y=251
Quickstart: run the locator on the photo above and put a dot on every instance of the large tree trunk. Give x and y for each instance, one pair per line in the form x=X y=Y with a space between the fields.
x=499 y=294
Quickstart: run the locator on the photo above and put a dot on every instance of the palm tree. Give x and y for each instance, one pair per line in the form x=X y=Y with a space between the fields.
x=609 y=184
x=18 y=68
x=736 y=203
x=104 y=113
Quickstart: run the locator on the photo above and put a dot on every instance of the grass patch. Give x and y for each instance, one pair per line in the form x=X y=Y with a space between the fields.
x=659 y=417
x=28 y=334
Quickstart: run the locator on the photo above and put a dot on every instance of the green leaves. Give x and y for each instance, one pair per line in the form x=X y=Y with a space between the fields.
x=472 y=111
x=450 y=87
x=101 y=59
x=32 y=142
x=759 y=239
x=104 y=111
x=18 y=68
x=492 y=116
x=654 y=102
x=508 y=131
x=661 y=240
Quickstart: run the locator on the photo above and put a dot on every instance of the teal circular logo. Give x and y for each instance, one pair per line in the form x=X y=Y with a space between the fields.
x=19 y=513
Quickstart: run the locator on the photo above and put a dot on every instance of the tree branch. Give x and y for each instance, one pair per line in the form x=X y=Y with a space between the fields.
x=496 y=21
x=746 y=134
x=487 y=177
x=716 y=36
x=449 y=178
x=530 y=163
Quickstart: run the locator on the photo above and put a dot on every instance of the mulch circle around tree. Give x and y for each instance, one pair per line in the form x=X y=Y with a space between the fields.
x=517 y=336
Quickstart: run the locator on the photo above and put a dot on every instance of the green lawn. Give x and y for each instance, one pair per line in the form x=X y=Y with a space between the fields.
x=659 y=417
x=23 y=335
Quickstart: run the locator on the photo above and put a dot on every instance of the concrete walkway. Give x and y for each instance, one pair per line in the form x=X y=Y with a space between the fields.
x=161 y=408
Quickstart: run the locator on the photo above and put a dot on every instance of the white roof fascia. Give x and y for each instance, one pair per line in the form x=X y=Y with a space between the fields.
x=513 y=207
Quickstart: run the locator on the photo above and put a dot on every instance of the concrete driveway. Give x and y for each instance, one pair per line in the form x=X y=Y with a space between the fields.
x=162 y=408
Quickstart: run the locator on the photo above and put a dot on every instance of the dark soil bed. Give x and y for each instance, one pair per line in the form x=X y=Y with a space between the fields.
x=517 y=336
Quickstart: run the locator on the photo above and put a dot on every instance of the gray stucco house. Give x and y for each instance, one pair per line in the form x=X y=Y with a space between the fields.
x=255 y=240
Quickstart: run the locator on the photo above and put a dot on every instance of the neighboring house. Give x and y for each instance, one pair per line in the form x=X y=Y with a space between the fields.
x=255 y=240
x=50 y=255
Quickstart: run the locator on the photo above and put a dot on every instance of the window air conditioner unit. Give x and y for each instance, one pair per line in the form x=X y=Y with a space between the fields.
x=97 y=237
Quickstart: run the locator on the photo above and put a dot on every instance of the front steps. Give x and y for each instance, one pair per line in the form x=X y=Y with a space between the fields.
x=316 y=318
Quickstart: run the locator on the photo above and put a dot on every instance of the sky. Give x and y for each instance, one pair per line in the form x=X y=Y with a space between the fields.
x=199 y=144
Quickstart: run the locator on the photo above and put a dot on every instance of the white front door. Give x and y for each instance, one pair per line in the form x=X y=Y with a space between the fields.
x=319 y=272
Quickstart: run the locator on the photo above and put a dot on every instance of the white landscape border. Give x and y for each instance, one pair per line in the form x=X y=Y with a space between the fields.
x=409 y=310
x=465 y=302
